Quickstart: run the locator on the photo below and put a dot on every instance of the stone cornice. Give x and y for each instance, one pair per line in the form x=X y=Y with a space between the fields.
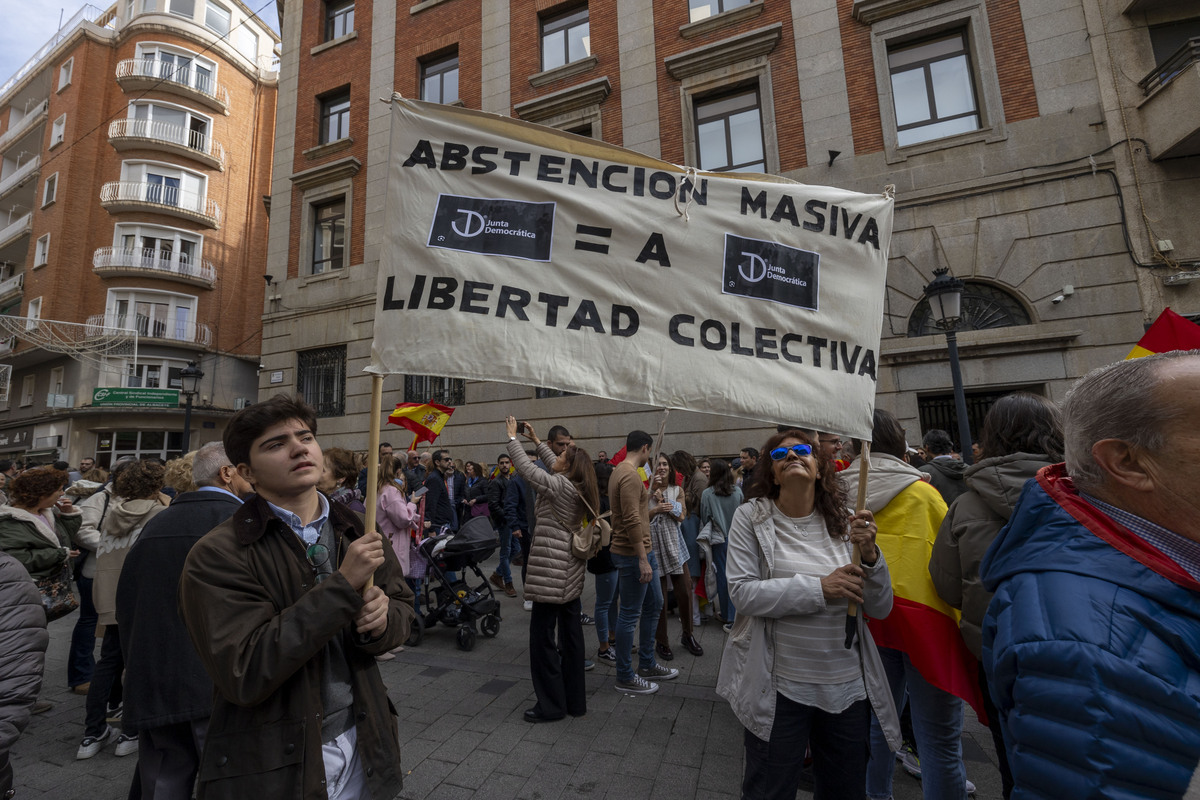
x=341 y=169
x=592 y=93
x=549 y=76
x=742 y=47
x=700 y=27
x=869 y=12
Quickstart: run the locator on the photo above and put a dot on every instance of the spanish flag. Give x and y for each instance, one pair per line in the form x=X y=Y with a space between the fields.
x=425 y=420
x=1169 y=332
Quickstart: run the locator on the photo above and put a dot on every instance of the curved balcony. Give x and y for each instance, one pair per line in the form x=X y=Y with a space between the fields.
x=119 y=196
x=128 y=134
x=166 y=330
x=143 y=74
x=151 y=262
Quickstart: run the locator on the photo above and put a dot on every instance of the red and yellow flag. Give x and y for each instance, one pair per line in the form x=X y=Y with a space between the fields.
x=1169 y=332
x=425 y=420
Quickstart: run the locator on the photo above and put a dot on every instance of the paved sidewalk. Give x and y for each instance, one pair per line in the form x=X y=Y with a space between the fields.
x=463 y=735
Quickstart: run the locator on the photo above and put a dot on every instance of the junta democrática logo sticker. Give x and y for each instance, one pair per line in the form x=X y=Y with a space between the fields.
x=493 y=226
x=770 y=271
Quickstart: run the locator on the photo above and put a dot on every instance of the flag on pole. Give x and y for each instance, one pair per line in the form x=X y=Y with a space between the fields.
x=1169 y=332
x=425 y=420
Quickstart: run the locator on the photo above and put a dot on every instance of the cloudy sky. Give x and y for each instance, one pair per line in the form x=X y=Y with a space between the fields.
x=29 y=25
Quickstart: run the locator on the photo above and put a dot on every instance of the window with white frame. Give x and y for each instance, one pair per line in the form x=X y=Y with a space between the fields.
x=33 y=313
x=246 y=42
x=703 y=9
x=339 y=19
x=217 y=18
x=64 y=73
x=58 y=131
x=27 y=390
x=565 y=38
x=329 y=236
x=933 y=91
x=729 y=132
x=172 y=123
x=167 y=184
x=335 y=116
x=156 y=247
x=178 y=65
x=439 y=80
x=154 y=373
x=162 y=315
x=184 y=8
x=41 y=251
x=56 y=380
x=50 y=190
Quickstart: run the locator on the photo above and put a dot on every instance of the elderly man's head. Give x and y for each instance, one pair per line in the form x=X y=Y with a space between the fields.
x=1132 y=439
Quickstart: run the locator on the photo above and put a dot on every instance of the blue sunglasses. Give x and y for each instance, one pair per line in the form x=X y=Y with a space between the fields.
x=780 y=453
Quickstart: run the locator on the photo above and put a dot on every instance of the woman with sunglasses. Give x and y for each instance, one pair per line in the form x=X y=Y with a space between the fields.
x=791 y=577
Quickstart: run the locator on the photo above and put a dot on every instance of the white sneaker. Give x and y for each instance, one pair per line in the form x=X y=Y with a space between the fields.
x=126 y=745
x=529 y=605
x=94 y=744
x=970 y=787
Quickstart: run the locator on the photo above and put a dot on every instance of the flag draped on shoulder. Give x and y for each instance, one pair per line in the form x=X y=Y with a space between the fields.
x=533 y=256
x=425 y=420
x=1169 y=332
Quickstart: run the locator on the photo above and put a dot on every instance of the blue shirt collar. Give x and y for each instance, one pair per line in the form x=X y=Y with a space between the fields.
x=219 y=489
x=308 y=533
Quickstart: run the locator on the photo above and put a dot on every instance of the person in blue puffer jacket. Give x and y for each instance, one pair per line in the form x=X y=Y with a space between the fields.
x=1092 y=640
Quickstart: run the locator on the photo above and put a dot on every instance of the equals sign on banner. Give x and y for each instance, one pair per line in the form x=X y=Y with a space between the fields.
x=592 y=230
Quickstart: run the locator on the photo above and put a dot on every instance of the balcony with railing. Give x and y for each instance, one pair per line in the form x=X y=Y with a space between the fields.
x=100 y=17
x=1171 y=110
x=15 y=229
x=7 y=345
x=143 y=74
x=153 y=262
x=26 y=123
x=146 y=134
x=119 y=196
x=21 y=174
x=166 y=330
x=11 y=288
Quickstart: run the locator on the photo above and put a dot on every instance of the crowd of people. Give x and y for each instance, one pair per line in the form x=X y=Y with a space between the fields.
x=1050 y=587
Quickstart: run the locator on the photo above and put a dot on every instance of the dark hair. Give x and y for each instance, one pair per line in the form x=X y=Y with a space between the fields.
x=685 y=463
x=475 y=465
x=252 y=421
x=754 y=453
x=887 y=435
x=438 y=455
x=61 y=466
x=830 y=498
x=31 y=486
x=720 y=477
x=1022 y=422
x=6 y=464
x=557 y=431
x=603 y=473
x=636 y=440
x=141 y=480
x=341 y=464
x=384 y=444
x=670 y=469
x=937 y=442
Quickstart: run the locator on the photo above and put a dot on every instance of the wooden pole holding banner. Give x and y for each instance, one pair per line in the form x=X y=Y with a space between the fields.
x=373 y=459
x=860 y=503
x=658 y=439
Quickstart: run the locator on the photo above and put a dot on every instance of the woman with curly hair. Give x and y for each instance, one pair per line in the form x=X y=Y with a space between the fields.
x=340 y=479
x=179 y=473
x=36 y=527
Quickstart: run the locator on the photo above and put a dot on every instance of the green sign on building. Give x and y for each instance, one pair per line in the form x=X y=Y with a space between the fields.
x=136 y=398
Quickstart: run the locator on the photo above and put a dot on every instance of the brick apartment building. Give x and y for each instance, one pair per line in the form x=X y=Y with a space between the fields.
x=135 y=156
x=1047 y=153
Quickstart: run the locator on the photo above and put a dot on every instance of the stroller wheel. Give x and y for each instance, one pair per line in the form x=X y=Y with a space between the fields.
x=465 y=638
x=489 y=626
x=416 y=632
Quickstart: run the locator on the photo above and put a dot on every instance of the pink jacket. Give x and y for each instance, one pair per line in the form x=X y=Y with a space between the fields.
x=396 y=518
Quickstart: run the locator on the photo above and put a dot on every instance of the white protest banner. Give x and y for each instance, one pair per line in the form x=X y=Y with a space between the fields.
x=520 y=254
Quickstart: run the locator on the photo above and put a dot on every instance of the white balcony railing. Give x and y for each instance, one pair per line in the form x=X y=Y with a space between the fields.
x=171 y=74
x=19 y=174
x=12 y=285
x=168 y=133
x=7 y=344
x=89 y=13
x=18 y=129
x=166 y=198
x=16 y=228
x=174 y=330
x=152 y=259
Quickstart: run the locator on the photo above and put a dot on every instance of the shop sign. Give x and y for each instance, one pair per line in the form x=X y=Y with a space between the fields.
x=136 y=398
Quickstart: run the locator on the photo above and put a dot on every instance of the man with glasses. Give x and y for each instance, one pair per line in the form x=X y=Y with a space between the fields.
x=288 y=603
x=438 y=511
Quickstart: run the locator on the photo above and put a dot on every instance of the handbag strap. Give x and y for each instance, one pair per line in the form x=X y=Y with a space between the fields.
x=586 y=504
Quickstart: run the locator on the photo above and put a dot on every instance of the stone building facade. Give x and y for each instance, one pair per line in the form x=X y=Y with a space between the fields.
x=1046 y=152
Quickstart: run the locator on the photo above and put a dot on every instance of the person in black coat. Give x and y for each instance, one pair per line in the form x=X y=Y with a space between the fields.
x=168 y=695
x=438 y=511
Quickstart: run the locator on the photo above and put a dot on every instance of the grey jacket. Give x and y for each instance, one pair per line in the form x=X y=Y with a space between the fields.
x=747 y=676
x=23 y=641
x=974 y=519
x=553 y=574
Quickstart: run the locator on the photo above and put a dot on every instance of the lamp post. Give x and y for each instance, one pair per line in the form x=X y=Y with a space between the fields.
x=189 y=379
x=944 y=294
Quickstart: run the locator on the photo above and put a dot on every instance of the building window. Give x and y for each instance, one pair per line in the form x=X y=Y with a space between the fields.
x=541 y=393
x=246 y=42
x=439 y=80
x=335 y=116
x=329 y=236
x=321 y=379
x=64 y=74
x=217 y=18
x=161 y=315
x=158 y=374
x=56 y=380
x=171 y=123
x=167 y=185
x=339 y=19
x=50 y=190
x=565 y=38
x=27 y=390
x=41 y=253
x=703 y=9
x=179 y=66
x=33 y=314
x=933 y=92
x=58 y=131
x=152 y=247
x=729 y=133
x=114 y=445
x=984 y=306
x=184 y=8
x=434 y=389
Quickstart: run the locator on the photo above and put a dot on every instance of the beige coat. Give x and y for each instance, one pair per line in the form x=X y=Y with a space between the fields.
x=553 y=574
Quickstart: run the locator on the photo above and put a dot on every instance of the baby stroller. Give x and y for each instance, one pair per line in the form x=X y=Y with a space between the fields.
x=456 y=603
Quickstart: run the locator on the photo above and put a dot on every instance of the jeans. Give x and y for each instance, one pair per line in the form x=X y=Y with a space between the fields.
x=839 y=751
x=690 y=528
x=606 y=587
x=937 y=719
x=638 y=599
x=108 y=670
x=509 y=547
x=727 y=609
x=82 y=660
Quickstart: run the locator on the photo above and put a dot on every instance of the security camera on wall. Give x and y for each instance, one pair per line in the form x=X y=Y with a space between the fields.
x=1059 y=299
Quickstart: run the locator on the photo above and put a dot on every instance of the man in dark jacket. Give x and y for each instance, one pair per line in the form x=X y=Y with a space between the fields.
x=288 y=603
x=438 y=511
x=509 y=546
x=944 y=470
x=168 y=696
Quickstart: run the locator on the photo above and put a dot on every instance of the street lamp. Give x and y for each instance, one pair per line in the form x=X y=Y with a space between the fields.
x=944 y=294
x=189 y=380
